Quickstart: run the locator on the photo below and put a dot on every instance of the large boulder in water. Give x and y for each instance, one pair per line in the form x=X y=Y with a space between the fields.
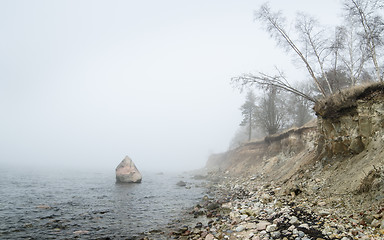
x=126 y=172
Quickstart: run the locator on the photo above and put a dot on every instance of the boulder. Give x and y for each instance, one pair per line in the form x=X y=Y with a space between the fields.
x=126 y=172
x=181 y=184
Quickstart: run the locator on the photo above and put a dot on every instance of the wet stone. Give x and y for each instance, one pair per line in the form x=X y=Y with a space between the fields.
x=252 y=213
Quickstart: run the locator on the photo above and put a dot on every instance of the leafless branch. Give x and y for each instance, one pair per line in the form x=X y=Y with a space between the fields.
x=273 y=22
x=266 y=81
x=365 y=12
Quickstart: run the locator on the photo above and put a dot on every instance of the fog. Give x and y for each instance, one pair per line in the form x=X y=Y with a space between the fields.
x=85 y=83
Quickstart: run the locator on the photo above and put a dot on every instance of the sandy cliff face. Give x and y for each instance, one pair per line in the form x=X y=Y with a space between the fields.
x=342 y=152
x=350 y=130
x=274 y=157
x=351 y=142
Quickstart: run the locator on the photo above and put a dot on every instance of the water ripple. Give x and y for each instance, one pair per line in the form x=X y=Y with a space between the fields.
x=62 y=206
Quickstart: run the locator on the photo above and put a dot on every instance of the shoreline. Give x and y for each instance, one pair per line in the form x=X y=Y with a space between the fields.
x=245 y=207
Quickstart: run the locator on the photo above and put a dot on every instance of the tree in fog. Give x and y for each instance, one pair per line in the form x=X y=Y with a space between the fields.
x=302 y=111
x=352 y=53
x=368 y=15
x=338 y=79
x=312 y=53
x=242 y=136
x=329 y=58
x=273 y=22
x=336 y=47
x=270 y=114
x=264 y=81
x=299 y=109
x=248 y=110
x=315 y=41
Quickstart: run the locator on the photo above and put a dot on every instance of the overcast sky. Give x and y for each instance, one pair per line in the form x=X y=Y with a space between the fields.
x=84 y=83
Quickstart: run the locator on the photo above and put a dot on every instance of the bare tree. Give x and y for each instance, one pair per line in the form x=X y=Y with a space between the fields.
x=322 y=54
x=338 y=79
x=270 y=113
x=266 y=81
x=313 y=36
x=248 y=110
x=337 y=46
x=273 y=22
x=367 y=14
x=353 y=54
x=299 y=109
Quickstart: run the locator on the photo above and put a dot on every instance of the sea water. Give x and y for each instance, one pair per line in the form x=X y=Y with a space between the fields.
x=89 y=205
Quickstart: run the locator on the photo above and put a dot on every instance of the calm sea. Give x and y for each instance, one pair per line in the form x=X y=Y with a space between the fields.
x=86 y=205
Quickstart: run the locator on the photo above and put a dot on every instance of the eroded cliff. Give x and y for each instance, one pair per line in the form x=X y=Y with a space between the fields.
x=341 y=152
x=275 y=157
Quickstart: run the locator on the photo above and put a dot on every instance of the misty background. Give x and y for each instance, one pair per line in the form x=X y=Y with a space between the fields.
x=84 y=83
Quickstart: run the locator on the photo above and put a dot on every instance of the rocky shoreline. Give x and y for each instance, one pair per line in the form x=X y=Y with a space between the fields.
x=245 y=207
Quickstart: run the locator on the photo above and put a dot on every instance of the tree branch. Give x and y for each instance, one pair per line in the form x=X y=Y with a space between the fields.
x=266 y=81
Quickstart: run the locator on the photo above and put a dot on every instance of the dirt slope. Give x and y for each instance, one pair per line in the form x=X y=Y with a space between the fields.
x=341 y=153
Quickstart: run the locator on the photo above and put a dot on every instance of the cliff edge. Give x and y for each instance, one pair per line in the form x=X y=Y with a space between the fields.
x=339 y=155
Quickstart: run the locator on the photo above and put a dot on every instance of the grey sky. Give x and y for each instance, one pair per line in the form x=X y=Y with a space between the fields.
x=84 y=83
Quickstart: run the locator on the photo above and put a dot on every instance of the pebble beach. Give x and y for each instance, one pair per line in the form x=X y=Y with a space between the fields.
x=248 y=208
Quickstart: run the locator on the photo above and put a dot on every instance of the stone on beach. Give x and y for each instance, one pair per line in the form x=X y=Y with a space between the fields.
x=181 y=184
x=239 y=210
x=126 y=172
x=251 y=225
x=240 y=228
x=293 y=220
x=262 y=225
x=80 y=232
x=271 y=228
x=209 y=237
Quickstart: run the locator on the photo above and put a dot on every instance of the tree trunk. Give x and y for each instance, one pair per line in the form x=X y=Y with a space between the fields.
x=250 y=128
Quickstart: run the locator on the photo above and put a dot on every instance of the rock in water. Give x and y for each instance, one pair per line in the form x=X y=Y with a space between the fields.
x=126 y=172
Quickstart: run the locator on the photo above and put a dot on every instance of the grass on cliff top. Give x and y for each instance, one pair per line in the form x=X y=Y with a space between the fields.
x=345 y=99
